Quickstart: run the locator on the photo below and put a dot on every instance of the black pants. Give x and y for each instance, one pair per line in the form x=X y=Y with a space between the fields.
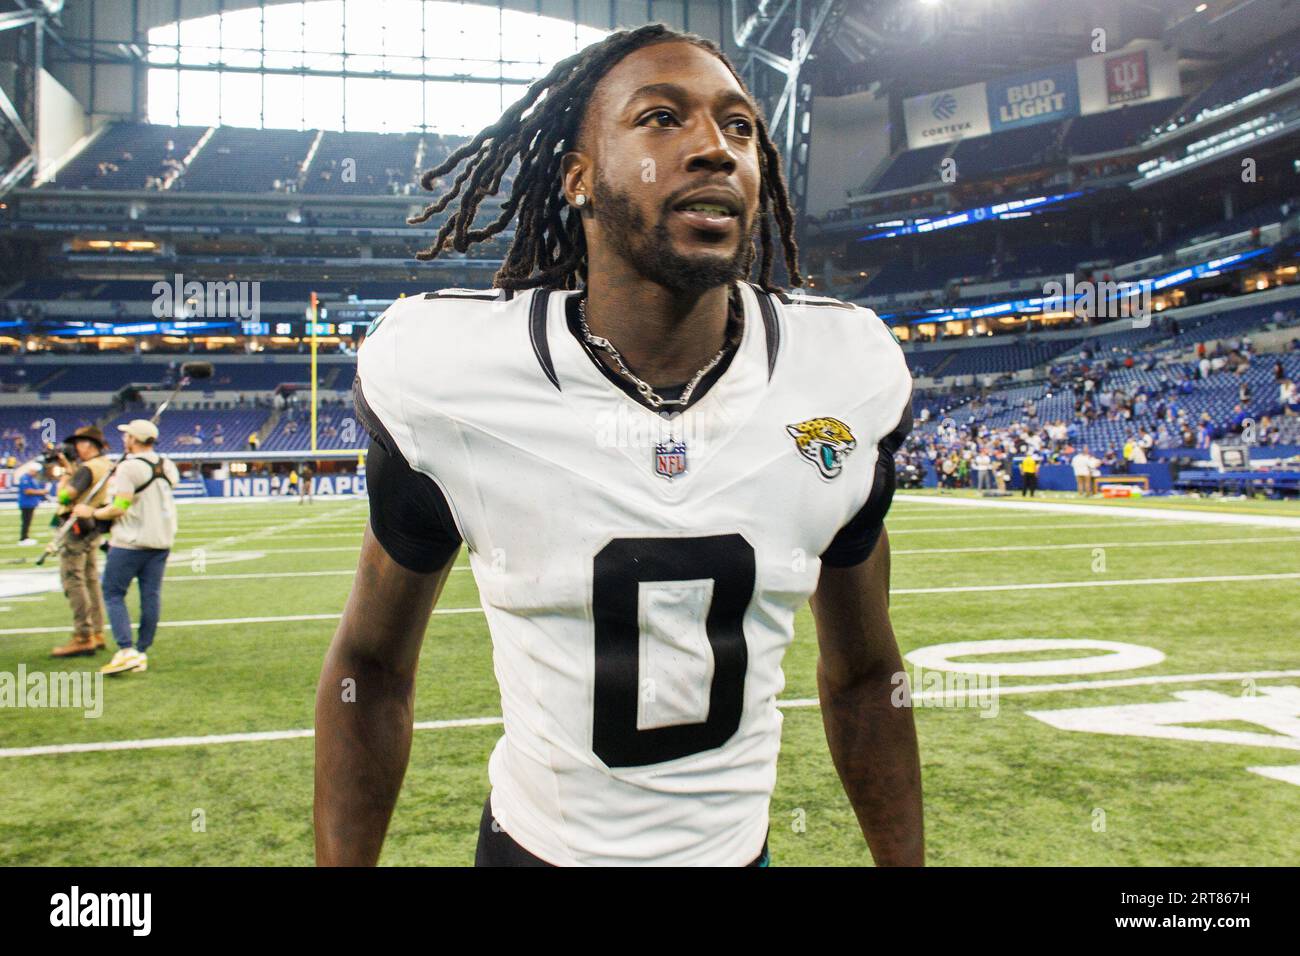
x=497 y=848
x=1031 y=484
x=27 y=523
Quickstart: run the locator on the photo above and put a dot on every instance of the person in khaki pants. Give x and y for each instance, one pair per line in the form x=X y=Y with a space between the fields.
x=78 y=569
x=144 y=527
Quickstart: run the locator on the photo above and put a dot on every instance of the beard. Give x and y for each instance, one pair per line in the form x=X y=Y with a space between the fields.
x=650 y=250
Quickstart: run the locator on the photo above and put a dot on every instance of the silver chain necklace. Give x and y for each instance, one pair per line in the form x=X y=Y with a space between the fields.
x=652 y=398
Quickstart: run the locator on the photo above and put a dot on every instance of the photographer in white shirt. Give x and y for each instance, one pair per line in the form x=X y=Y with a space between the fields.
x=143 y=513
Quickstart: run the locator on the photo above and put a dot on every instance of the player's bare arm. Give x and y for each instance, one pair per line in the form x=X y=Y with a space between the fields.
x=365 y=703
x=872 y=741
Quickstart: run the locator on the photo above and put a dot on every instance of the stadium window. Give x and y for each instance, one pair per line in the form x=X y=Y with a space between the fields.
x=391 y=66
x=163 y=96
x=241 y=99
x=283 y=100
x=323 y=102
x=199 y=98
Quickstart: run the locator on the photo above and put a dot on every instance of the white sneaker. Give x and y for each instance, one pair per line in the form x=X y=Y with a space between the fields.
x=27 y=542
x=126 y=660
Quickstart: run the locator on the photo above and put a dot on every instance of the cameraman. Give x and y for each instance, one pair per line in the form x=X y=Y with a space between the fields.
x=144 y=527
x=77 y=566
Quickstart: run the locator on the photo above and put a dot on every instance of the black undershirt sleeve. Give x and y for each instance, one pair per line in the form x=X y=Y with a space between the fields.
x=81 y=480
x=855 y=541
x=409 y=514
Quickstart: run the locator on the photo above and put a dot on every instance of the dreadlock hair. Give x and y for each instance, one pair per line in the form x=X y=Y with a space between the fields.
x=538 y=130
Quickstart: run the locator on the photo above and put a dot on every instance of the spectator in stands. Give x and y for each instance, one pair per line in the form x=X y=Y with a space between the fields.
x=253 y=441
x=35 y=485
x=1205 y=433
x=218 y=434
x=1288 y=397
x=1240 y=414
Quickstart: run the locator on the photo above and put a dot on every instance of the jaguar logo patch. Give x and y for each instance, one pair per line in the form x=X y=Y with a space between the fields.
x=825 y=442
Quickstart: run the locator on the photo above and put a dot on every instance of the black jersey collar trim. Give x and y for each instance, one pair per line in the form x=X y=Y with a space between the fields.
x=537 y=314
x=771 y=327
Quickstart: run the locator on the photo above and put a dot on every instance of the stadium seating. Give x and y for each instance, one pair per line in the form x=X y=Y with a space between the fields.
x=272 y=290
x=996 y=359
x=1115 y=129
x=39 y=425
x=126 y=155
x=1010 y=149
x=248 y=161
x=257 y=375
x=1217 y=396
x=193 y=430
x=911 y=168
x=381 y=163
x=17 y=377
x=1268 y=67
x=336 y=427
x=130 y=156
x=899 y=276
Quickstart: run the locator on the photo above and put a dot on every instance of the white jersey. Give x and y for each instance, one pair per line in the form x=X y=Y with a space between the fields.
x=640 y=575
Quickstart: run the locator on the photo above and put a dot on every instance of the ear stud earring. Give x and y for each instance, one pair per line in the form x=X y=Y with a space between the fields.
x=580 y=199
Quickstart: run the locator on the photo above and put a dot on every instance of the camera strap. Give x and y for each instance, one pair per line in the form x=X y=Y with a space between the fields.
x=157 y=470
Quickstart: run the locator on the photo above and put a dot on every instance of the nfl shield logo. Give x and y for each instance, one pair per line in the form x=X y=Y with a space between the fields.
x=670 y=459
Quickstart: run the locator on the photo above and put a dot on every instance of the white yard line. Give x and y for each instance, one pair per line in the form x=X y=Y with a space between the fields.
x=918 y=697
x=1183 y=542
x=972 y=528
x=225 y=621
x=283 y=533
x=1155 y=514
x=1038 y=586
x=245 y=576
x=1120 y=582
x=1179 y=542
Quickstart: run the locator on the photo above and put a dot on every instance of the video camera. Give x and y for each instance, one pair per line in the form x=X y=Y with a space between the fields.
x=53 y=453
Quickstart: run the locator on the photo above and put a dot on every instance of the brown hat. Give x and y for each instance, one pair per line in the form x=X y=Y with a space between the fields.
x=91 y=433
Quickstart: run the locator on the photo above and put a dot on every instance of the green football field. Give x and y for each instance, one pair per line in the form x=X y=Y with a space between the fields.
x=1179 y=748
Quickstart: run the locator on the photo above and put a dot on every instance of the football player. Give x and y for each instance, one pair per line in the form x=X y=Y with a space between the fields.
x=654 y=464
